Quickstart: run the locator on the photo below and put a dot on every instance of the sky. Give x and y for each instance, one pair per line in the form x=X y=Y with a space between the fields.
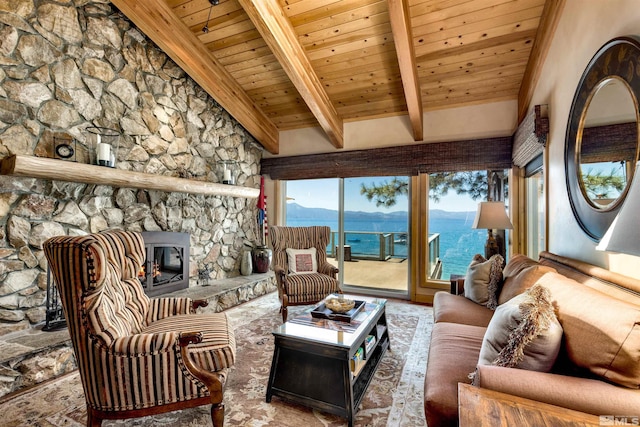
x=323 y=193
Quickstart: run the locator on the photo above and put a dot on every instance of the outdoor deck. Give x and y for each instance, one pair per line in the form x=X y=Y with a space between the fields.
x=390 y=274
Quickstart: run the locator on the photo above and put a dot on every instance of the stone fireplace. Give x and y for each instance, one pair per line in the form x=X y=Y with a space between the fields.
x=70 y=66
x=67 y=68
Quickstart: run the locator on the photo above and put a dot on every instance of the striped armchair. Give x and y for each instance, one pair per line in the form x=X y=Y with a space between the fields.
x=307 y=288
x=136 y=356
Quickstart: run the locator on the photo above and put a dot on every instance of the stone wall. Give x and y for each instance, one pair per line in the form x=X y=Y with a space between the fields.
x=69 y=65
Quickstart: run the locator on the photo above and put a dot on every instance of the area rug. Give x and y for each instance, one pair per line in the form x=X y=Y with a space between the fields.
x=393 y=398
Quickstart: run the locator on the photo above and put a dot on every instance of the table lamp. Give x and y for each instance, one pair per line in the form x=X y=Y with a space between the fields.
x=492 y=216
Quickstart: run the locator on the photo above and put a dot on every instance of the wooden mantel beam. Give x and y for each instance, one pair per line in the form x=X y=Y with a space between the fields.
x=278 y=33
x=403 y=38
x=61 y=170
x=156 y=20
x=546 y=30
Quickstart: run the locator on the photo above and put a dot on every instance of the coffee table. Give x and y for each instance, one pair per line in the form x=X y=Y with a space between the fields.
x=312 y=359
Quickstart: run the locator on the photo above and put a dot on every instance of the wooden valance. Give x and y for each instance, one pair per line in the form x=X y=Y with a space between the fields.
x=406 y=160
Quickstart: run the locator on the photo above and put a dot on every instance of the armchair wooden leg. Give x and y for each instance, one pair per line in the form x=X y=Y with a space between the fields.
x=92 y=419
x=285 y=312
x=217 y=414
x=214 y=381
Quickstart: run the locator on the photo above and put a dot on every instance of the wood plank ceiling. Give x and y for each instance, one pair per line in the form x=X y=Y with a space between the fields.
x=302 y=63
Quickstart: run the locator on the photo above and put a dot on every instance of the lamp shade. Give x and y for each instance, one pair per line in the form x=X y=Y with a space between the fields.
x=492 y=215
x=624 y=233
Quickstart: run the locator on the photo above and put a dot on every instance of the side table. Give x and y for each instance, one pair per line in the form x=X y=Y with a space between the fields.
x=457 y=284
x=481 y=407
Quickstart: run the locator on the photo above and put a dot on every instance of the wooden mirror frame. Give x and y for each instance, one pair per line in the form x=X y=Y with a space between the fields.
x=618 y=58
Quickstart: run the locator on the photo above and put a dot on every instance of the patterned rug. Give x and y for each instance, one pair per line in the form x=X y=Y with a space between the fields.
x=394 y=396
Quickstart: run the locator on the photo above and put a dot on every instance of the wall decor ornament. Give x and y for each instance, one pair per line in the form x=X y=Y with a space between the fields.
x=599 y=136
x=64 y=148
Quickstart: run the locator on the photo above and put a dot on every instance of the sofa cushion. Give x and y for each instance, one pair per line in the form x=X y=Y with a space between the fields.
x=520 y=278
x=302 y=261
x=458 y=309
x=601 y=333
x=523 y=333
x=483 y=279
x=453 y=353
x=516 y=264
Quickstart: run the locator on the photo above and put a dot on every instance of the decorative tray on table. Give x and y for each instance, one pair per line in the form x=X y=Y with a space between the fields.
x=324 y=312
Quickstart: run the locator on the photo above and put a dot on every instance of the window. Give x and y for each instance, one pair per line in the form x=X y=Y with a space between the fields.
x=535 y=202
x=453 y=202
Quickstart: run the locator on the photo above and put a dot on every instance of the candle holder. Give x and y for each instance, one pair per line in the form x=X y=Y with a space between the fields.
x=228 y=171
x=106 y=142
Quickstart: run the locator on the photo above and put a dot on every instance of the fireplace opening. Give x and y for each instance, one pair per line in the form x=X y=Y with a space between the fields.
x=166 y=267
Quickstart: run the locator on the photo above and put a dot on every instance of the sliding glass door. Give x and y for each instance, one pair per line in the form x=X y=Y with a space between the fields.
x=369 y=220
x=376 y=225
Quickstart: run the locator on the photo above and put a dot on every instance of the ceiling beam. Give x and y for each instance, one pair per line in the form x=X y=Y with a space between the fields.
x=544 y=36
x=403 y=38
x=279 y=35
x=158 y=22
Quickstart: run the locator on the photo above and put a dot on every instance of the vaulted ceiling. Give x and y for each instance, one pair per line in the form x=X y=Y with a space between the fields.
x=285 y=64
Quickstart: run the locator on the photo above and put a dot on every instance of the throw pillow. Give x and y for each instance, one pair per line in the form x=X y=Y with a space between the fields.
x=523 y=333
x=601 y=333
x=302 y=261
x=483 y=280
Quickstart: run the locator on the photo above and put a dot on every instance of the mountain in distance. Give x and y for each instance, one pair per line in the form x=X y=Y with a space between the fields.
x=295 y=211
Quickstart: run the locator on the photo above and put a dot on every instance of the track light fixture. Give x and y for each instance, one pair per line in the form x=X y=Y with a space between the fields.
x=205 y=29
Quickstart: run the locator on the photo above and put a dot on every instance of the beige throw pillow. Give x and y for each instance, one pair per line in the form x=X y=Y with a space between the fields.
x=483 y=279
x=523 y=333
x=302 y=261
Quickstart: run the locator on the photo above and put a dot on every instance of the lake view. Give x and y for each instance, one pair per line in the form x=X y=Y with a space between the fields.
x=458 y=241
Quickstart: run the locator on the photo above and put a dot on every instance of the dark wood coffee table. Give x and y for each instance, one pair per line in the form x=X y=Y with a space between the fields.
x=312 y=359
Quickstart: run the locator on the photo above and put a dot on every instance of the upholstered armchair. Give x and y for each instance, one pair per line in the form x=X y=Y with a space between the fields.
x=308 y=282
x=136 y=356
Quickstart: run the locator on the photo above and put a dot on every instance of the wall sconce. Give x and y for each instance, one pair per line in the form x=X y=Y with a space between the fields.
x=492 y=216
x=623 y=235
x=106 y=142
x=228 y=171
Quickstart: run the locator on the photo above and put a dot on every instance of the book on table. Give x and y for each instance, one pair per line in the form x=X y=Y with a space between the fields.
x=357 y=361
x=369 y=344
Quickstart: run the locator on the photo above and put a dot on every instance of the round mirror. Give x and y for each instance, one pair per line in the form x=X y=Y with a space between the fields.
x=601 y=147
x=607 y=144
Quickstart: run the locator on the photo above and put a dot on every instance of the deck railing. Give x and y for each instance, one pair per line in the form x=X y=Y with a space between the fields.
x=434 y=256
x=381 y=246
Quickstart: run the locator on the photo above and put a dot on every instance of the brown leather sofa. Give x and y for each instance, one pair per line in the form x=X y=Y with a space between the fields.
x=598 y=367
